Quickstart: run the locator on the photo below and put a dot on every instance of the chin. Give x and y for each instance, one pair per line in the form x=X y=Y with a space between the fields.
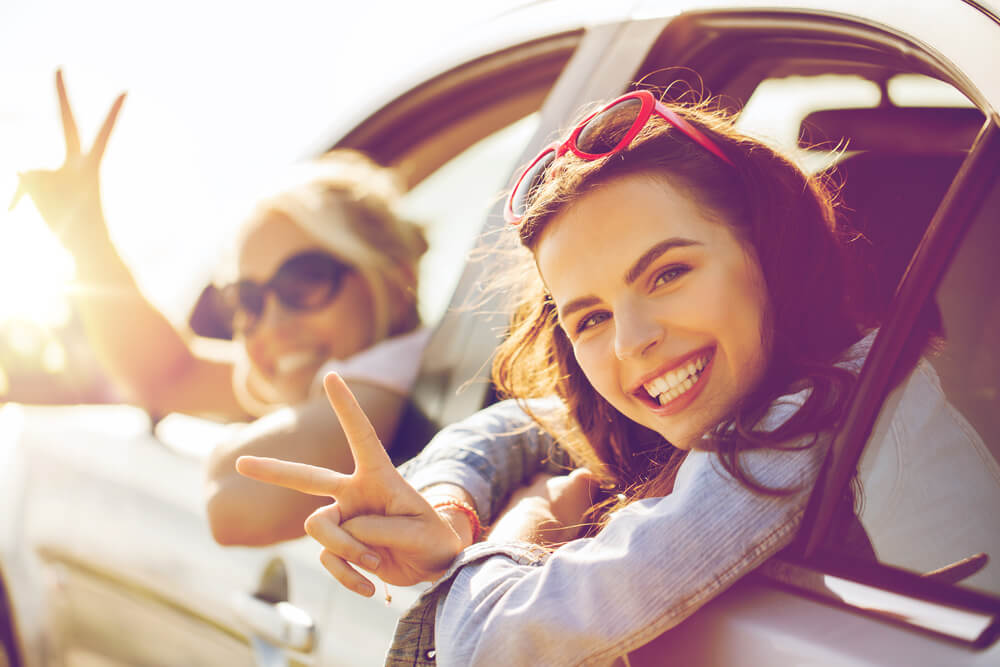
x=293 y=390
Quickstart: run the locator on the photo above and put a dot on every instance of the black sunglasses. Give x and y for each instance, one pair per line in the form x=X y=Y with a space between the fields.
x=306 y=281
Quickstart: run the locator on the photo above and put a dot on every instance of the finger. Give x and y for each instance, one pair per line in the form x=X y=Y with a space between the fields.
x=368 y=451
x=68 y=122
x=101 y=142
x=314 y=480
x=324 y=528
x=20 y=192
x=391 y=532
x=347 y=576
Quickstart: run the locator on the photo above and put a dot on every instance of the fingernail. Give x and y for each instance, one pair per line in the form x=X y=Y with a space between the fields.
x=365 y=589
x=370 y=561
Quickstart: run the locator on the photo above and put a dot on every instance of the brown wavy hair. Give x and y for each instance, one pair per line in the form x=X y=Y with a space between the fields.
x=787 y=216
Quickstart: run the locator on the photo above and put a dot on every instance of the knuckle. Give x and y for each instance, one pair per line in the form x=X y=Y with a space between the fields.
x=316 y=523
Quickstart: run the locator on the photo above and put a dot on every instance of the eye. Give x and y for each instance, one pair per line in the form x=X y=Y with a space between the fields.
x=670 y=274
x=591 y=320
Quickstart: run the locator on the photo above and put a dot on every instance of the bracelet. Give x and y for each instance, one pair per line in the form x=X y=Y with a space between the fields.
x=464 y=508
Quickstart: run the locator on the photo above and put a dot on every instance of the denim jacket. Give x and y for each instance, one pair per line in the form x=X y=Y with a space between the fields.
x=595 y=599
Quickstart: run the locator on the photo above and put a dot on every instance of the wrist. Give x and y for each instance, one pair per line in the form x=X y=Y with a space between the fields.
x=460 y=516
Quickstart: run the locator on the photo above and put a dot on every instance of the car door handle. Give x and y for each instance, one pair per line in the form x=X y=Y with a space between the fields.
x=280 y=623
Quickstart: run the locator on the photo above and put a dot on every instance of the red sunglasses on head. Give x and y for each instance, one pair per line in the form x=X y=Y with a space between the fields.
x=592 y=140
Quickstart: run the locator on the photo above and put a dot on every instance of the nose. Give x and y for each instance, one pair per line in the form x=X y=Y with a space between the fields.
x=636 y=331
x=274 y=315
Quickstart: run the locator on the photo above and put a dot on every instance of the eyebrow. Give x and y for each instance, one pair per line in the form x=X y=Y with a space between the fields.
x=632 y=274
x=578 y=304
x=653 y=253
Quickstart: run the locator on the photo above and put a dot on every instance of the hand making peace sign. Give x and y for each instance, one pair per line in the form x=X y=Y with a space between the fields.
x=374 y=506
x=69 y=197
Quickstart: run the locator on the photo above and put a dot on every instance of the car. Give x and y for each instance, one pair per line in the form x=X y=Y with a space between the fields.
x=105 y=554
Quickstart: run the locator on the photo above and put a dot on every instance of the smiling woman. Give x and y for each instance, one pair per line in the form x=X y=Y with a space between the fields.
x=324 y=278
x=695 y=366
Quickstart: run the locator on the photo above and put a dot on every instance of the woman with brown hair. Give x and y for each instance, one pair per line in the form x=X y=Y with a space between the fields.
x=686 y=336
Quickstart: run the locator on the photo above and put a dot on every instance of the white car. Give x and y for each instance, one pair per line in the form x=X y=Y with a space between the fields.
x=105 y=553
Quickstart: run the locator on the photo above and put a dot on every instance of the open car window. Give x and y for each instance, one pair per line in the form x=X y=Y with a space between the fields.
x=452 y=203
x=930 y=478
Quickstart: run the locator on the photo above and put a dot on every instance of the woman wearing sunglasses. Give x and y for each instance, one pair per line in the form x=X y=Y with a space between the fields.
x=323 y=278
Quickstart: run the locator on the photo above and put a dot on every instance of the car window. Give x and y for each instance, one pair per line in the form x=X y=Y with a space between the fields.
x=452 y=203
x=778 y=110
x=778 y=107
x=931 y=478
x=915 y=511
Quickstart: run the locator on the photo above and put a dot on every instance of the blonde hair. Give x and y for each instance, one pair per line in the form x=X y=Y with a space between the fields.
x=348 y=203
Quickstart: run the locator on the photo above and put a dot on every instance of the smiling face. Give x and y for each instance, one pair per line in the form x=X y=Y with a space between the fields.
x=657 y=299
x=288 y=346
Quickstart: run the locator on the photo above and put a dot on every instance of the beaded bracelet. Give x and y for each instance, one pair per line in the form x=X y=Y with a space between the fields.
x=464 y=508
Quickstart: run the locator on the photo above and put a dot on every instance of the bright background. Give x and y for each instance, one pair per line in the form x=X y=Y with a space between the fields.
x=221 y=96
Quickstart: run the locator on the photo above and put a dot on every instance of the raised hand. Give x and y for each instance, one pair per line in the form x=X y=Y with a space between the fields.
x=376 y=514
x=69 y=197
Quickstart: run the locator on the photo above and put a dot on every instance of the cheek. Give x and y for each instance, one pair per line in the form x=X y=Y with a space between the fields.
x=353 y=306
x=255 y=344
x=595 y=357
x=751 y=327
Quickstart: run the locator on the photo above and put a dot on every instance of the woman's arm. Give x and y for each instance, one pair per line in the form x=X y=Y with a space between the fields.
x=488 y=455
x=654 y=564
x=137 y=345
x=242 y=511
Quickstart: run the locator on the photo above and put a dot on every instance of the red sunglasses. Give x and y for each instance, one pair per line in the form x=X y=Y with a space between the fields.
x=592 y=140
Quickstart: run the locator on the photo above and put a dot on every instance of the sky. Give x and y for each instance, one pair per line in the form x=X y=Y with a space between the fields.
x=221 y=96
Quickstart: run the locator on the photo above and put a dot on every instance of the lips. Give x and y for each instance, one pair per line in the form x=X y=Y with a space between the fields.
x=674 y=386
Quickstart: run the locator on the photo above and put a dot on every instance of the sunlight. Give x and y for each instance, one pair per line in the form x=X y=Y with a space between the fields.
x=35 y=270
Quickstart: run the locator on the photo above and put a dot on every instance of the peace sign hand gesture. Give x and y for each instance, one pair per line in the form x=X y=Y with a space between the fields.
x=69 y=197
x=378 y=521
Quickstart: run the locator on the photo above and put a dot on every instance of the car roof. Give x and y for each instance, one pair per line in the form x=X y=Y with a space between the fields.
x=965 y=33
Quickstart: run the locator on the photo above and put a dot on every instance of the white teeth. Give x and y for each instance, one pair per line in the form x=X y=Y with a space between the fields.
x=657 y=386
x=673 y=383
